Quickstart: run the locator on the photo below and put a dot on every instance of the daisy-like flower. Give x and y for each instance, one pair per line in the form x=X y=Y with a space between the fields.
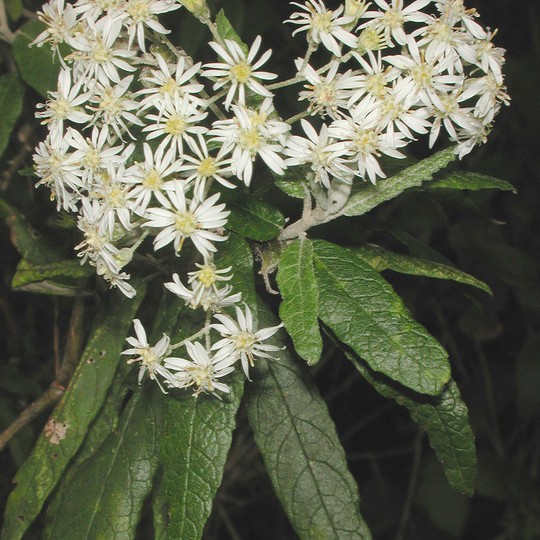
x=204 y=291
x=64 y=104
x=148 y=177
x=60 y=20
x=203 y=168
x=176 y=123
x=203 y=371
x=170 y=81
x=324 y=25
x=392 y=18
x=241 y=341
x=97 y=56
x=141 y=13
x=326 y=158
x=239 y=70
x=179 y=221
x=326 y=95
x=94 y=9
x=251 y=135
x=149 y=357
x=114 y=108
x=93 y=154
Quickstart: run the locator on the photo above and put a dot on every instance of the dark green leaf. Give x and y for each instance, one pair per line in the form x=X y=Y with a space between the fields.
x=382 y=259
x=69 y=422
x=469 y=180
x=446 y=422
x=14 y=9
x=36 y=64
x=300 y=447
x=293 y=182
x=253 y=218
x=226 y=31
x=371 y=195
x=28 y=273
x=54 y=289
x=117 y=478
x=11 y=98
x=299 y=307
x=365 y=313
x=29 y=243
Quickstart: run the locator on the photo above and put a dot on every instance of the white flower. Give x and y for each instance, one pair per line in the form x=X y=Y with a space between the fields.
x=203 y=168
x=203 y=371
x=175 y=123
x=150 y=357
x=324 y=26
x=241 y=341
x=238 y=70
x=60 y=19
x=250 y=135
x=392 y=18
x=141 y=13
x=148 y=178
x=204 y=291
x=65 y=104
x=171 y=81
x=178 y=221
x=327 y=159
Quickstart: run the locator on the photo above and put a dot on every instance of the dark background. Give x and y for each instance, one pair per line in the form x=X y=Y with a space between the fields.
x=494 y=343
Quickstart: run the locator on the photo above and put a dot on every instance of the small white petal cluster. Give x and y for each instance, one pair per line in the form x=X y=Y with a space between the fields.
x=142 y=140
x=397 y=70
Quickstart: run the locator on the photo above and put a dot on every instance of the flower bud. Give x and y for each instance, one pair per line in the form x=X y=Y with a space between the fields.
x=355 y=9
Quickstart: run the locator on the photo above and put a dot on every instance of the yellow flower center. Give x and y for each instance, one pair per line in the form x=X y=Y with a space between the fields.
x=243 y=341
x=138 y=10
x=393 y=18
x=186 y=223
x=175 y=125
x=322 y=21
x=250 y=139
x=202 y=376
x=109 y=102
x=116 y=197
x=370 y=40
x=422 y=74
x=207 y=167
x=207 y=276
x=168 y=87
x=241 y=72
x=91 y=159
x=100 y=53
x=376 y=84
x=152 y=180
x=148 y=356
x=60 y=108
x=366 y=141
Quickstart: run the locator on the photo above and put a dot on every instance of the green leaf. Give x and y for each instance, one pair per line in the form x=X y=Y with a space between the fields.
x=371 y=195
x=469 y=180
x=11 y=100
x=28 y=273
x=300 y=447
x=365 y=313
x=381 y=259
x=117 y=479
x=293 y=182
x=226 y=31
x=29 y=243
x=69 y=421
x=444 y=419
x=253 y=218
x=36 y=64
x=235 y=252
x=197 y=438
x=299 y=307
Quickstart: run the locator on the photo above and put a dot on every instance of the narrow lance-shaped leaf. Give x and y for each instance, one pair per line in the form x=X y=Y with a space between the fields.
x=117 y=478
x=300 y=447
x=445 y=421
x=226 y=30
x=198 y=431
x=470 y=181
x=365 y=313
x=299 y=307
x=371 y=196
x=381 y=259
x=69 y=422
x=11 y=98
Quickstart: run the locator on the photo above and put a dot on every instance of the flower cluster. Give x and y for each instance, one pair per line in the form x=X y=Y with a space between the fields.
x=142 y=140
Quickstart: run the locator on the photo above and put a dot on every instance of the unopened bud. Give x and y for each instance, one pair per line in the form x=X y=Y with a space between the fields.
x=355 y=9
x=199 y=8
